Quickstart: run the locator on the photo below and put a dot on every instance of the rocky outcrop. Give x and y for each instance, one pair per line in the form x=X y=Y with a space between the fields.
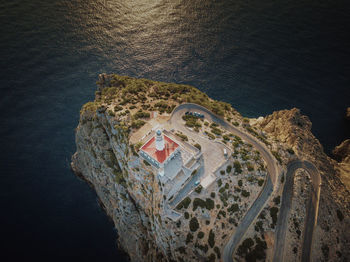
x=133 y=197
x=342 y=152
x=347 y=114
x=293 y=130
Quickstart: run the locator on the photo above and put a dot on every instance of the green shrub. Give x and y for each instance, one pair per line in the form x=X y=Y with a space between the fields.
x=273 y=214
x=200 y=234
x=141 y=114
x=137 y=123
x=250 y=166
x=260 y=182
x=198 y=146
x=208 y=203
x=238 y=167
x=146 y=163
x=212 y=194
x=240 y=183
x=277 y=200
x=246 y=245
x=227 y=186
x=222 y=190
x=182 y=136
x=340 y=215
x=259 y=226
x=233 y=208
x=211 y=136
x=222 y=172
x=245 y=193
x=235 y=123
x=118 y=108
x=216 y=131
x=228 y=169
x=184 y=203
x=206 y=123
x=226 y=137
x=194 y=225
x=187 y=215
x=198 y=189
x=211 y=238
x=219 y=182
x=217 y=251
x=189 y=238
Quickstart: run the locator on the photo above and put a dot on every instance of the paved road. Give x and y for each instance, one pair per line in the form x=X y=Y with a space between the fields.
x=176 y=120
x=272 y=169
x=311 y=213
x=273 y=172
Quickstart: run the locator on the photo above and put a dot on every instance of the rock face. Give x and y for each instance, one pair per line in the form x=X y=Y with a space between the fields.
x=347 y=115
x=342 y=152
x=133 y=197
x=331 y=235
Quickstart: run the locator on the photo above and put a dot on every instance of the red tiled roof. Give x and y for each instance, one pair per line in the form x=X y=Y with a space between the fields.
x=169 y=147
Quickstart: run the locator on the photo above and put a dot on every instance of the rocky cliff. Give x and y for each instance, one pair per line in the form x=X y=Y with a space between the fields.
x=133 y=197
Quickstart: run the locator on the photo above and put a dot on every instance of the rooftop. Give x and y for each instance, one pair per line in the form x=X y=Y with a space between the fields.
x=160 y=156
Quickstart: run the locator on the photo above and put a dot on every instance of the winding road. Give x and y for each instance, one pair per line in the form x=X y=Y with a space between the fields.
x=270 y=184
x=311 y=215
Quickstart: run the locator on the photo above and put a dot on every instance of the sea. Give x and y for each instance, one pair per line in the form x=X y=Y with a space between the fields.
x=260 y=56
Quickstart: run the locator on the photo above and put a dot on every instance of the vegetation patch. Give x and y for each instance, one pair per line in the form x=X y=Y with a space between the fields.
x=194 y=225
x=211 y=238
x=208 y=203
x=184 y=203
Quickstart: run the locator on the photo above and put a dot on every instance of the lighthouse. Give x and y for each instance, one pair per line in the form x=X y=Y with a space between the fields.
x=159 y=141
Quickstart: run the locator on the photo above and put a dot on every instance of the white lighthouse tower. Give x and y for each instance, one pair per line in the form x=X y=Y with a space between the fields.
x=159 y=141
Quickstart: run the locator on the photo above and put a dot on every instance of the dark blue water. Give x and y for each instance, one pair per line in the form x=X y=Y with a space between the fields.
x=260 y=56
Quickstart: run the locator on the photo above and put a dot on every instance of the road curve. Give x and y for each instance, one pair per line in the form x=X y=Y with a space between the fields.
x=311 y=215
x=272 y=169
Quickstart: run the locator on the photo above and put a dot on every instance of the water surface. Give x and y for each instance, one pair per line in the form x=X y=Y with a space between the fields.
x=260 y=56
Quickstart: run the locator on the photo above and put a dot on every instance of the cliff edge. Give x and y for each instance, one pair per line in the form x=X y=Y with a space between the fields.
x=156 y=224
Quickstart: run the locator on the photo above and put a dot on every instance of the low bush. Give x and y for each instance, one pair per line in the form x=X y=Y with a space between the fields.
x=273 y=214
x=137 y=123
x=187 y=215
x=219 y=182
x=238 y=167
x=260 y=182
x=182 y=136
x=184 y=203
x=340 y=215
x=245 y=193
x=189 y=238
x=233 y=208
x=208 y=203
x=277 y=200
x=194 y=225
x=200 y=234
x=211 y=136
x=198 y=189
x=198 y=146
x=211 y=238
